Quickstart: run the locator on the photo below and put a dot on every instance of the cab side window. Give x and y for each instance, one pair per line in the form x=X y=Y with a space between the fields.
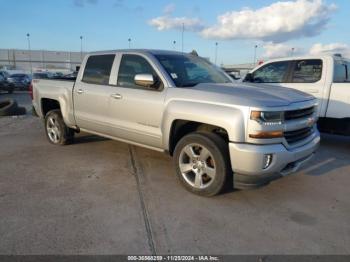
x=307 y=71
x=341 y=72
x=271 y=73
x=98 y=69
x=132 y=65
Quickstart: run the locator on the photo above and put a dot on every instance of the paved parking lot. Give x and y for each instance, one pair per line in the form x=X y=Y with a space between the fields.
x=99 y=196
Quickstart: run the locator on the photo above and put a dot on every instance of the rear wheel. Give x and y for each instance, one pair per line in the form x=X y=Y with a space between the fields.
x=56 y=130
x=202 y=163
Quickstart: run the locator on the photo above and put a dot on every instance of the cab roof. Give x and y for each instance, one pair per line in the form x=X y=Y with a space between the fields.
x=144 y=51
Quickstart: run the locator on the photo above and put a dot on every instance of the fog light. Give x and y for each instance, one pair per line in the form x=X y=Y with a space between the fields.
x=267 y=161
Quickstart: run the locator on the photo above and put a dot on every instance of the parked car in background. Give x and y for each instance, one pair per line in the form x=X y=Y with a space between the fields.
x=5 y=85
x=20 y=81
x=2 y=81
x=57 y=75
x=71 y=76
x=235 y=76
x=4 y=74
x=217 y=131
x=43 y=75
x=326 y=77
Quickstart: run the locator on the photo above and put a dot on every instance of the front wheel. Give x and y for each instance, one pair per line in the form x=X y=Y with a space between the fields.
x=56 y=130
x=202 y=163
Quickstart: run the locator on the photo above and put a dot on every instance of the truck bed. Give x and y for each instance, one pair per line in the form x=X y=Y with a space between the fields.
x=58 y=89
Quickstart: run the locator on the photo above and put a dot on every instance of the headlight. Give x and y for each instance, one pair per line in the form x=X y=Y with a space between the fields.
x=267 y=117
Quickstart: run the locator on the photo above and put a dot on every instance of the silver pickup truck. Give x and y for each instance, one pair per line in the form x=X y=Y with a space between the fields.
x=217 y=131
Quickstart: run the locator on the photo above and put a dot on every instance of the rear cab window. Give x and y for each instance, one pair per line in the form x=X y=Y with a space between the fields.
x=98 y=69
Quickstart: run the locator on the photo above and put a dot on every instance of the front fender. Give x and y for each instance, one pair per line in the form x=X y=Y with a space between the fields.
x=232 y=119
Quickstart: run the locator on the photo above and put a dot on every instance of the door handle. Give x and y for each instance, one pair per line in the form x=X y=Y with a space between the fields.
x=80 y=91
x=117 y=96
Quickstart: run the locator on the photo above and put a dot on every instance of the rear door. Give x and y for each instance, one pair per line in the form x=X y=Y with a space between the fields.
x=339 y=99
x=135 y=111
x=92 y=92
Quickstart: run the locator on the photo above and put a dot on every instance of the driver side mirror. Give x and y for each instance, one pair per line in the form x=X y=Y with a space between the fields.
x=249 y=78
x=145 y=80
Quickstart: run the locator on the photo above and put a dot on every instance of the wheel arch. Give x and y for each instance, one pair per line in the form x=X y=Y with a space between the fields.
x=181 y=128
x=181 y=118
x=48 y=104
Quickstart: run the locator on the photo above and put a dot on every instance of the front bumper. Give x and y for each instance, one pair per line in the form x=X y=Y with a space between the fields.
x=247 y=161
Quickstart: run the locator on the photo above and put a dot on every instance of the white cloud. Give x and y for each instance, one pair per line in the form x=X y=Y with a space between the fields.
x=333 y=48
x=169 y=9
x=167 y=22
x=273 y=50
x=81 y=3
x=278 y=22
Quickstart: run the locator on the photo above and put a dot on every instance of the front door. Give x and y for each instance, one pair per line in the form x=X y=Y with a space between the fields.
x=308 y=76
x=137 y=111
x=305 y=75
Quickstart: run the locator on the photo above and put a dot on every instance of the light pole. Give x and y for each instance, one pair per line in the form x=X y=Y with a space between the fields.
x=254 y=62
x=182 y=37
x=216 y=51
x=129 y=40
x=81 y=48
x=29 y=52
x=292 y=51
x=174 y=44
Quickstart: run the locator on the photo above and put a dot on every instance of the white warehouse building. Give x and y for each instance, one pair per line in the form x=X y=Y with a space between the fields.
x=39 y=60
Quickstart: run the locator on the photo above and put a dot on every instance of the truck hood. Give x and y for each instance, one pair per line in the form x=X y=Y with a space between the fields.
x=251 y=95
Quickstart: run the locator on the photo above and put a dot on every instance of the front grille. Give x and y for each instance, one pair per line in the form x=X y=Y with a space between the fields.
x=300 y=113
x=298 y=135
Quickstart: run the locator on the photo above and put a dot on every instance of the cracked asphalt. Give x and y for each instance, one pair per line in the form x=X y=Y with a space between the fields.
x=99 y=196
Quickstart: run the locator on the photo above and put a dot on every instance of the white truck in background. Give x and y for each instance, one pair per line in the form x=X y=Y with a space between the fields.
x=326 y=77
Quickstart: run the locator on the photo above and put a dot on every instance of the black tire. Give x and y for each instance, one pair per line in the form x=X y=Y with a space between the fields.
x=218 y=149
x=8 y=107
x=20 y=111
x=66 y=134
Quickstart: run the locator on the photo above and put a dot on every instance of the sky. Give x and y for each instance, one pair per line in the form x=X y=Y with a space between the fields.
x=277 y=28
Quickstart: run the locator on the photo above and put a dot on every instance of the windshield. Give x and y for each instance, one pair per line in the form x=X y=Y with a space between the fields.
x=190 y=70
